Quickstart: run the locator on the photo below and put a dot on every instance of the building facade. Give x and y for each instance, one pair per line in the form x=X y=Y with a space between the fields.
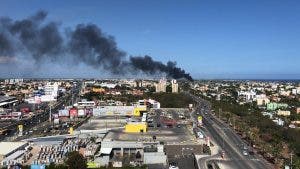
x=174 y=86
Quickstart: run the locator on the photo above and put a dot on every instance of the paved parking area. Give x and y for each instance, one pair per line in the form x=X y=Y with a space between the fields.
x=173 y=135
x=102 y=123
x=182 y=155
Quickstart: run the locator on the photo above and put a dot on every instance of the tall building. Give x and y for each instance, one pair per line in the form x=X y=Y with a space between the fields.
x=51 y=90
x=161 y=86
x=174 y=86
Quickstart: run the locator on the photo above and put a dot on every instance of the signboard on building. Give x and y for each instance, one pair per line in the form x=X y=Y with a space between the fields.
x=63 y=113
x=200 y=120
x=20 y=128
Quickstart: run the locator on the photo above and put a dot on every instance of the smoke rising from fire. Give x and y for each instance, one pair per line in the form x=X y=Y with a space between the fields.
x=42 y=41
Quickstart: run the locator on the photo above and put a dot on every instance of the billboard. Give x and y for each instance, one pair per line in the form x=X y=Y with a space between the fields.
x=200 y=120
x=20 y=128
x=63 y=113
x=73 y=112
x=97 y=112
x=81 y=113
x=55 y=116
x=56 y=121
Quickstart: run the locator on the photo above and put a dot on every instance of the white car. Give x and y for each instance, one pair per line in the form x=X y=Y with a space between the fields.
x=173 y=166
x=245 y=153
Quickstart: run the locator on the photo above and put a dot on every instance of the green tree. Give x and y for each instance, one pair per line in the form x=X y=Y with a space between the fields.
x=76 y=161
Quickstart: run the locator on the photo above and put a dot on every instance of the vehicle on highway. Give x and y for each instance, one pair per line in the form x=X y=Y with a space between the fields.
x=223 y=154
x=150 y=120
x=245 y=153
x=245 y=147
x=200 y=135
x=173 y=165
x=181 y=116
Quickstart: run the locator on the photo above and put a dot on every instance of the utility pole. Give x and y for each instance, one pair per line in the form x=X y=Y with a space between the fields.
x=233 y=123
x=292 y=160
x=50 y=113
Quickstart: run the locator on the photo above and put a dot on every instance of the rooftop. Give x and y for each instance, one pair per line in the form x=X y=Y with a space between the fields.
x=6 y=98
x=7 y=147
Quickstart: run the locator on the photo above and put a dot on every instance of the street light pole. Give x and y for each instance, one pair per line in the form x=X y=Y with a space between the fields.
x=50 y=113
x=292 y=160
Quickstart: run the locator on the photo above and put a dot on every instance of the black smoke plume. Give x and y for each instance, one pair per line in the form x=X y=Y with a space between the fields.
x=41 y=40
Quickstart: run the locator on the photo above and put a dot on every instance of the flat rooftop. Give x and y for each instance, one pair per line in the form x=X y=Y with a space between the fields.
x=7 y=147
x=6 y=98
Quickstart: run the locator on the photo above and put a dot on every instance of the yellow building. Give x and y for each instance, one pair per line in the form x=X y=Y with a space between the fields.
x=71 y=131
x=137 y=110
x=283 y=113
x=98 y=90
x=136 y=127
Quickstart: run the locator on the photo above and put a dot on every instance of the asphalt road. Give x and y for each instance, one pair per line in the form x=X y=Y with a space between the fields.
x=228 y=140
x=36 y=120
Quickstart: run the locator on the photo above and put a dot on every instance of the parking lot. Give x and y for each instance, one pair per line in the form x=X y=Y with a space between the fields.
x=171 y=126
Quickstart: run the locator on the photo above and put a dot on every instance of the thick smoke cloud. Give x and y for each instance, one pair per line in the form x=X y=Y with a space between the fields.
x=149 y=66
x=41 y=41
x=90 y=45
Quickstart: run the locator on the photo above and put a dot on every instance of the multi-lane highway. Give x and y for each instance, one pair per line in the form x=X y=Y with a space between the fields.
x=222 y=134
x=35 y=124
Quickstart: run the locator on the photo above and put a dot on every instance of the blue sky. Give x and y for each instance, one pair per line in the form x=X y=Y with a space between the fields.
x=209 y=39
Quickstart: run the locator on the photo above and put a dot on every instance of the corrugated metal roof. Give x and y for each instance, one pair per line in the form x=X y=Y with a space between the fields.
x=7 y=147
x=6 y=98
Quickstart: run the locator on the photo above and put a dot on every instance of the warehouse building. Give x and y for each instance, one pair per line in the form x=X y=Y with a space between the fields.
x=10 y=152
x=113 y=152
x=7 y=101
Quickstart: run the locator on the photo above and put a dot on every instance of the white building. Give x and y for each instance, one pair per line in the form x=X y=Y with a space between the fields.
x=248 y=95
x=13 y=81
x=51 y=89
x=161 y=86
x=278 y=121
x=174 y=86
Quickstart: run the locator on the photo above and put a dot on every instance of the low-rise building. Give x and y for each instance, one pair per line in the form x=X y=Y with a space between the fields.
x=10 y=152
x=137 y=152
x=298 y=110
x=274 y=106
x=262 y=101
x=283 y=113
